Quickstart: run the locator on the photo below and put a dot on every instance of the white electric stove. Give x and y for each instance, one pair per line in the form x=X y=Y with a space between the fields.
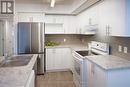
x=79 y=63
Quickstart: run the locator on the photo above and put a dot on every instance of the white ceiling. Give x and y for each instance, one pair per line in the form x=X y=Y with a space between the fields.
x=61 y=7
x=59 y=1
x=46 y=1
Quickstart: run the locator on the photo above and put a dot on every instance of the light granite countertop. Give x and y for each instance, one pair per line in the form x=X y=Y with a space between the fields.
x=72 y=46
x=109 y=62
x=16 y=76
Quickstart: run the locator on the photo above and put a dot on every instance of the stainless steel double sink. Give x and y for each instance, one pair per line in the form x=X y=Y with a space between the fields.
x=20 y=60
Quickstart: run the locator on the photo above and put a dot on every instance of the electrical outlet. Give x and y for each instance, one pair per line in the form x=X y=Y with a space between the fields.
x=120 y=48
x=64 y=40
x=125 y=49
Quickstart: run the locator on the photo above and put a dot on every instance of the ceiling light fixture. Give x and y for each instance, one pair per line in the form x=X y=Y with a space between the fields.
x=53 y=3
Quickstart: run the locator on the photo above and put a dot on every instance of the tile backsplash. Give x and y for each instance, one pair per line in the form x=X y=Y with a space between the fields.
x=114 y=43
x=69 y=39
x=122 y=41
x=82 y=39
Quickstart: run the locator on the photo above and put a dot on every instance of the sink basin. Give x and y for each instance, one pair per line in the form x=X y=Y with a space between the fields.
x=15 y=61
x=83 y=53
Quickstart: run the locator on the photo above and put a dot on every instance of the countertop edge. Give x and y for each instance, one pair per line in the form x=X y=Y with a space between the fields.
x=111 y=68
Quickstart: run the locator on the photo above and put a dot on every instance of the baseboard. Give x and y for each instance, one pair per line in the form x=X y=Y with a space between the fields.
x=58 y=70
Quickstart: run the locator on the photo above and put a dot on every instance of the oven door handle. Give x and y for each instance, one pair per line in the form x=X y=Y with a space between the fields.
x=79 y=59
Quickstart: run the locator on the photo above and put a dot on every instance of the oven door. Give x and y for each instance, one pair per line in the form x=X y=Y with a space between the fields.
x=77 y=69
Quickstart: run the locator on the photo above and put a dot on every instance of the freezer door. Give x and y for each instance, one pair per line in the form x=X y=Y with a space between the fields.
x=41 y=64
x=24 y=38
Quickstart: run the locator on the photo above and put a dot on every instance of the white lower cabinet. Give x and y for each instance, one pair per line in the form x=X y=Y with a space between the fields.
x=50 y=59
x=95 y=76
x=58 y=59
x=31 y=80
x=99 y=77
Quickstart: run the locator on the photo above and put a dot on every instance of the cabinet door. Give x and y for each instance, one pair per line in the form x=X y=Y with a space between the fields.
x=54 y=19
x=111 y=14
x=70 y=25
x=30 y=17
x=62 y=58
x=60 y=19
x=49 y=19
x=50 y=59
x=58 y=58
x=31 y=80
x=95 y=76
x=90 y=75
x=99 y=77
x=52 y=28
x=127 y=17
x=66 y=58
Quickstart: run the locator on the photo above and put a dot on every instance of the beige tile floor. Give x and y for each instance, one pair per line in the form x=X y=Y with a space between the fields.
x=55 y=79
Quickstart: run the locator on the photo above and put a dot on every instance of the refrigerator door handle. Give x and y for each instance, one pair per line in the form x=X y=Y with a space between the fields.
x=41 y=37
x=30 y=38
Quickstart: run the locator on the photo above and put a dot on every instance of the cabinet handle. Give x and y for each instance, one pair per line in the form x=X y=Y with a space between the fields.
x=92 y=69
x=108 y=30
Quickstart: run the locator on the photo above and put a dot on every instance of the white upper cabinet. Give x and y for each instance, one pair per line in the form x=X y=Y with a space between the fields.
x=66 y=24
x=54 y=24
x=70 y=25
x=127 y=18
x=111 y=14
x=114 y=17
x=30 y=17
x=54 y=19
x=52 y=28
x=88 y=20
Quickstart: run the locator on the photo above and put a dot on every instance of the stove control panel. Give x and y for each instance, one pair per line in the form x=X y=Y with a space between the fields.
x=100 y=46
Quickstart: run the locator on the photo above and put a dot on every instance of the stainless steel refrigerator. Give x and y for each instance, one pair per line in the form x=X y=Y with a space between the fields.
x=31 y=41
